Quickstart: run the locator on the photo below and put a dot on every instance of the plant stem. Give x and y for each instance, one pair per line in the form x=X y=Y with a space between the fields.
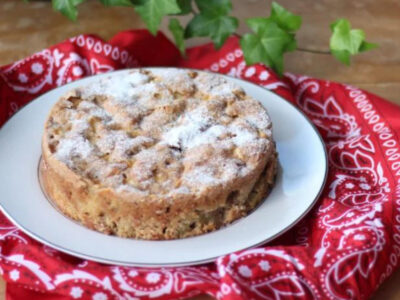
x=313 y=51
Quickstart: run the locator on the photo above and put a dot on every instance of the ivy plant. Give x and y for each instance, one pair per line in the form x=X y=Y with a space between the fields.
x=269 y=38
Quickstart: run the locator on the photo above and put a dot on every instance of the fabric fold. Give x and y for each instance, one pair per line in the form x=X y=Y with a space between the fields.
x=343 y=249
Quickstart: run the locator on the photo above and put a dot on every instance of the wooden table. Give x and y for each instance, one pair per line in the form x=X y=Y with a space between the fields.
x=26 y=28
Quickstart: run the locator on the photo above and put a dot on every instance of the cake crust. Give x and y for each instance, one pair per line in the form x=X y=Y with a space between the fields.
x=158 y=154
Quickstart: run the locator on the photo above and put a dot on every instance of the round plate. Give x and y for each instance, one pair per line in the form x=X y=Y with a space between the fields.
x=301 y=176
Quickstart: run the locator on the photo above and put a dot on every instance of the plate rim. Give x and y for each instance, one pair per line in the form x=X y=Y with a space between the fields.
x=78 y=254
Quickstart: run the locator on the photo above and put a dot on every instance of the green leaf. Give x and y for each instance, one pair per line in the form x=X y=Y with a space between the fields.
x=185 y=6
x=365 y=46
x=292 y=45
x=178 y=33
x=213 y=21
x=345 y=38
x=345 y=41
x=284 y=18
x=152 y=11
x=342 y=55
x=218 y=28
x=268 y=43
x=67 y=7
x=117 y=2
x=214 y=7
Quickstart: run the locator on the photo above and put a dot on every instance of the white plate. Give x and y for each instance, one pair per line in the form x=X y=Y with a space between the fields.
x=302 y=174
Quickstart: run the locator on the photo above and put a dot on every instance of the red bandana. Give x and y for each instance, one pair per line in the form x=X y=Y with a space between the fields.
x=344 y=249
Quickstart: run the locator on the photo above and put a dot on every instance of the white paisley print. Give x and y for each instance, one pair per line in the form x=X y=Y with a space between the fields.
x=344 y=249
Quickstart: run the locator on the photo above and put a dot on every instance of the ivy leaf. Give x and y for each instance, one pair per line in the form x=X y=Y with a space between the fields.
x=218 y=28
x=267 y=44
x=284 y=18
x=116 y=2
x=67 y=7
x=345 y=41
x=365 y=46
x=272 y=37
x=292 y=45
x=152 y=11
x=185 y=6
x=178 y=33
x=213 y=21
x=214 y=7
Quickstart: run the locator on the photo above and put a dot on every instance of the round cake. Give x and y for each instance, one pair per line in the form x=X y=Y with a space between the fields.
x=157 y=154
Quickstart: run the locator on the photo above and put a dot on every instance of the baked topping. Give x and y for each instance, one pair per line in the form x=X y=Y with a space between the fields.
x=159 y=154
x=160 y=131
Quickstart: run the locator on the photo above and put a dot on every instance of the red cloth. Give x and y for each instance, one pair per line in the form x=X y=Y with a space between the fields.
x=344 y=249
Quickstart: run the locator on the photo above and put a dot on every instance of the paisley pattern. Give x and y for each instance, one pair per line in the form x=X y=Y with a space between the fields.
x=344 y=249
x=32 y=74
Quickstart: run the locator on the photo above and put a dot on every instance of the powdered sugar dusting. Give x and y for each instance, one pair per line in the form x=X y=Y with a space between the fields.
x=73 y=147
x=119 y=87
x=117 y=143
x=217 y=171
x=259 y=120
x=203 y=175
x=180 y=190
x=210 y=135
x=143 y=137
x=125 y=188
x=94 y=110
x=216 y=86
x=79 y=127
x=242 y=136
x=198 y=127
x=191 y=126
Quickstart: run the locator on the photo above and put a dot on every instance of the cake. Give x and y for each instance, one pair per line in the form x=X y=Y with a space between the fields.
x=157 y=154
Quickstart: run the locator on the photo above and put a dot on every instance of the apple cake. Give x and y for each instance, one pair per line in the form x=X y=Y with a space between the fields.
x=157 y=153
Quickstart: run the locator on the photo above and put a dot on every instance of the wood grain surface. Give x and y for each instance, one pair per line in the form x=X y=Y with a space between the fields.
x=29 y=27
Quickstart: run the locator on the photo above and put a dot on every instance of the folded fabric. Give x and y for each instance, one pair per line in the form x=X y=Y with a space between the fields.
x=343 y=249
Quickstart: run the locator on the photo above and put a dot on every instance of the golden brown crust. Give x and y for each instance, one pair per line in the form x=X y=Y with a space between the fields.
x=193 y=154
x=102 y=212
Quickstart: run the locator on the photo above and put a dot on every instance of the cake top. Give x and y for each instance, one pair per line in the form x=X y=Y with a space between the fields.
x=160 y=131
